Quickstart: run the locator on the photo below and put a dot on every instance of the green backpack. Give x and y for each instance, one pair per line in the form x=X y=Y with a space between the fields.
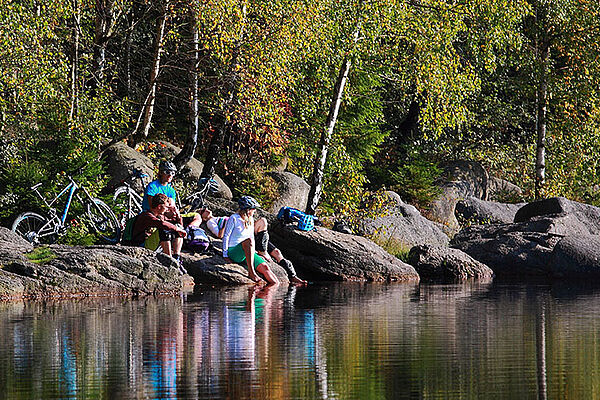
x=127 y=238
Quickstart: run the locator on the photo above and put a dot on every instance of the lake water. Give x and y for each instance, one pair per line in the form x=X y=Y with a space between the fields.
x=339 y=341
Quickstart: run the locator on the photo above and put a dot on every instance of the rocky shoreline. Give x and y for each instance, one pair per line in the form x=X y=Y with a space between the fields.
x=476 y=236
x=554 y=238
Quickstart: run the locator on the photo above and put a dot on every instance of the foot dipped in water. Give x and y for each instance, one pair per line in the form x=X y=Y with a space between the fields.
x=256 y=279
x=297 y=281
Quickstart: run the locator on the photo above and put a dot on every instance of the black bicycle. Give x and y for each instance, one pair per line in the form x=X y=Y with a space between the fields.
x=205 y=188
x=38 y=229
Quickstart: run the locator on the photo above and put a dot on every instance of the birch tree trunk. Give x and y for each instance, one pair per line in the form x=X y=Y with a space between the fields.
x=142 y=126
x=191 y=142
x=316 y=186
x=542 y=96
x=103 y=24
x=74 y=61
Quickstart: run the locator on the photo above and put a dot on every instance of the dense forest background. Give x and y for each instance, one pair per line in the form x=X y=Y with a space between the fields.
x=248 y=84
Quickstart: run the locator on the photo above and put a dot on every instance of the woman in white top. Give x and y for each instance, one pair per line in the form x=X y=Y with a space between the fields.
x=238 y=241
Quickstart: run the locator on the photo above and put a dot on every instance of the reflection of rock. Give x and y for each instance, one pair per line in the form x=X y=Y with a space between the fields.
x=293 y=191
x=323 y=254
x=85 y=271
x=192 y=171
x=473 y=210
x=405 y=225
x=446 y=264
x=121 y=160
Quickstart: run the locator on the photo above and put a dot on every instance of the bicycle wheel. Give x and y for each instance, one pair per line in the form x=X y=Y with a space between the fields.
x=34 y=228
x=103 y=221
x=125 y=204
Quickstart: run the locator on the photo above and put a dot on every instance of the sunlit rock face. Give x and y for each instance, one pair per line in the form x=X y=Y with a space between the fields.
x=66 y=271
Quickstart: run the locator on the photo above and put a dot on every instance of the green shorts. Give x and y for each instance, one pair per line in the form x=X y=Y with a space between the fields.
x=236 y=253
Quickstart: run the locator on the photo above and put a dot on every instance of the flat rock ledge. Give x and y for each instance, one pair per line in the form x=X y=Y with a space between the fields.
x=59 y=271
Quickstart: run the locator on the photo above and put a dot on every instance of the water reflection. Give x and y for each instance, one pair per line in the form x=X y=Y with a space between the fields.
x=473 y=340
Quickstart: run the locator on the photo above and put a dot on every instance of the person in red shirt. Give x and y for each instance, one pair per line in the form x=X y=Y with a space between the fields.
x=171 y=235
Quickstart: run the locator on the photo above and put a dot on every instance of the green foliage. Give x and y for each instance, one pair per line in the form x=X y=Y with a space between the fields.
x=41 y=255
x=393 y=246
x=78 y=234
x=254 y=181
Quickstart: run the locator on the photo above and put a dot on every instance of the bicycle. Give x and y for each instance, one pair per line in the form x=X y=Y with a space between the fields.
x=205 y=187
x=127 y=201
x=38 y=229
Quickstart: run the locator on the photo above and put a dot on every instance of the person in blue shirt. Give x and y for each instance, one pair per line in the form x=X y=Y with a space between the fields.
x=166 y=172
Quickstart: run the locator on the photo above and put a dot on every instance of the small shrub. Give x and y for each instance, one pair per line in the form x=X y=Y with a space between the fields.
x=393 y=246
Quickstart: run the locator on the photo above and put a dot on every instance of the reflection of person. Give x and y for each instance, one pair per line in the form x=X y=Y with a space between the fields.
x=171 y=235
x=238 y=241
x=266 y=249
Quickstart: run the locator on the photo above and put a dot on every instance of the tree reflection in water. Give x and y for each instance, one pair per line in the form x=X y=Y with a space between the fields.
x=368 y=341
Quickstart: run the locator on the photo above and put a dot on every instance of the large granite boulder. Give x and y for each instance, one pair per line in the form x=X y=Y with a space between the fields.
x=587 y=216
x=323 y=254
x=472 y=210
x=403 y=224
x=576 y=256
x=503 y=191
x=439 y=263
x=512 y=249
x=461 y=179
x=530 y=246
x=191 y=172
x=121 y=160
x=65 y=271
x=293 y=191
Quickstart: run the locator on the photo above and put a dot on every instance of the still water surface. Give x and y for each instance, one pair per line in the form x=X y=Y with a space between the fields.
x=339 y=341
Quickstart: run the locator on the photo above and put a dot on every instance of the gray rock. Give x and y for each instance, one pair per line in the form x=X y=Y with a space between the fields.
x=447 y=264
x=323 y=254
x=576 y=256
x=293 y=191
x=584 y=218
x=513 y=249
x=211 y=268
x=86 y=271
x=192 y=171
x=405 y=225
x=121 y=160
x=503 y=191
x=461 y=179
x=469 y=177
x=472 y=210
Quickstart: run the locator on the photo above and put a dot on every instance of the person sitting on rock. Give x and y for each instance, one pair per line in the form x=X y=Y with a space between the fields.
x=238 y=241
x=216 y=225
x=166 y=172
x=266 y=249
x=171 y=235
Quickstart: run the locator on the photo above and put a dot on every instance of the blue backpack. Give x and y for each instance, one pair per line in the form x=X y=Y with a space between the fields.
x=289 y=215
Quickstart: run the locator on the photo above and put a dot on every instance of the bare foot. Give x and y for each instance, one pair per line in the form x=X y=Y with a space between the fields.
x=256 y=278
x=297 y=281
